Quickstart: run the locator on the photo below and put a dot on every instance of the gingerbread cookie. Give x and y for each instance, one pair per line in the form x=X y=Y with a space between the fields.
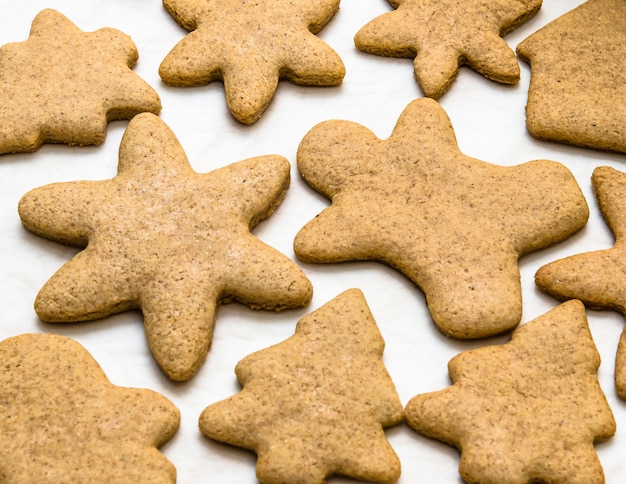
x=577 y=92
x=63 y=85
x=167 y=240
x=61 y=420
x=250 y=46
x=598 y=278
x=443 y=35
x=316 y=404
x=454 y=225
x=526 y=411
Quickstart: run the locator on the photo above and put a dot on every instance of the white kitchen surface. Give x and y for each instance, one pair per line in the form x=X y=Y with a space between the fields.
x=489 y=123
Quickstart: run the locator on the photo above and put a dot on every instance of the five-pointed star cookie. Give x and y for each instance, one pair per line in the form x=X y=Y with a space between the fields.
x=454 y=225
x=443 y=34
x=61 y=420
x=315 y=404
x=251 y=45
x=63 y=85
x=598 y=278
x=526 y=411
x=165 y=239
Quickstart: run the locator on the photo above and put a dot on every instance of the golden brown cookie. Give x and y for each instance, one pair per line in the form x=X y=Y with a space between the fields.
x=526 y=411
x=442 y=35
x=598 y=278
x=63 y=85
x=315 y=404
x=61 y=420
x=250 y=46
x=454 y=225
x=577 y=92
x=167 y=240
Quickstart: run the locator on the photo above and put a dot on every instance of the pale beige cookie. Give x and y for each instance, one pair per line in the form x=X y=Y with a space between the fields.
x=63 y=85
x=61 y=420
x=454 y=225
x=250 y=46
x=577 y=92
x=316 y=404
x=167 y=240
x=598 y=278
x=442 y=35
x=526 y=411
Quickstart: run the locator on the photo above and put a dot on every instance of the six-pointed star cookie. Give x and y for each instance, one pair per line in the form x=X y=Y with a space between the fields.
x=63 y=85
x=251 y=45
x=526 y=411
x=579 y=98
x=598 y=278
x=317 y=403
x=443 y=34
x=165 y=239
x=61 y=420
x=454 y=225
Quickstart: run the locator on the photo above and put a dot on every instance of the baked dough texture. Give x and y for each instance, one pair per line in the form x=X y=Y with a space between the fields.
x=164 y=239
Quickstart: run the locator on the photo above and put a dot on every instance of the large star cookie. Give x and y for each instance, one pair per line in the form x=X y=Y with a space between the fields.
x=577 y=92
x=598 y=278
x=454 y=225
x=165 y=239
x=61 y=420
x=441 y=35
x=526 y=411
x=315 y=404
x=63 y=85
x=251 y=45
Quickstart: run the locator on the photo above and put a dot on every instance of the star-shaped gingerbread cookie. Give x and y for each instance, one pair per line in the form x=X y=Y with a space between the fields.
x=598 y=278
x=62 y=420
x=442 y=35
x=165 y=239
x=317 y=403
x=454 y=225
x=526 y=411
x=250 y=46
x=63 y=85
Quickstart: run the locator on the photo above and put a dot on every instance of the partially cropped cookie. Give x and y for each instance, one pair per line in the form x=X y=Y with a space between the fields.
x=454 y=225
x=62 y=420
x=167 y=240
x=442 y=35
x=526 y=411
x=577 y=92
x=250 y=46
x=316 y=404
x=598 y=278
x=63 y=85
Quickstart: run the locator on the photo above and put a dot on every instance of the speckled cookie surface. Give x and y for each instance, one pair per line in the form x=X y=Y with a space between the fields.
x=61 y=420
x=454 y=225
x=164 y=239
x=577 y=92
x=250 y=45
x=598 y=278
x=442 y=35
x=526 y=411
x=63 y=85
x=316 y=404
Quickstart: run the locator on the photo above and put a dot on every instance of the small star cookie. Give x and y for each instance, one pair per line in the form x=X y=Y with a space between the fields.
x=454 y=225
x=579 y=97
x=315 y=404
x=61 y=420
x=526 y=411
x=250 y=46
x=165 y=239
x=598 y=278
x=63 y=85
x=442 y=35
